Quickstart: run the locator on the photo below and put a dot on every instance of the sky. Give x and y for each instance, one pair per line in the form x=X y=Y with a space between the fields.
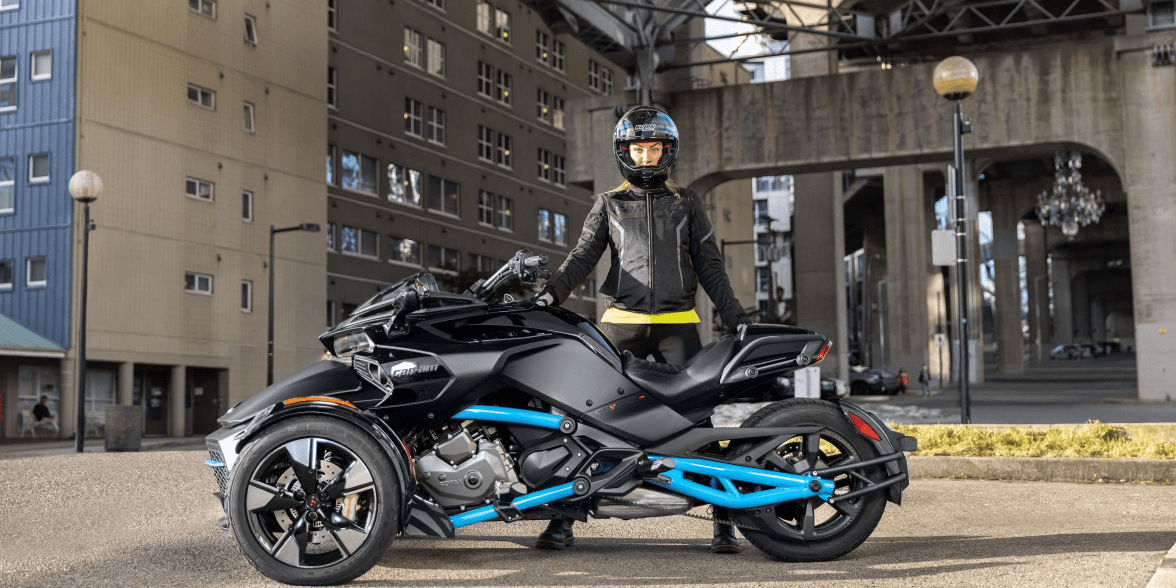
x=775 y=68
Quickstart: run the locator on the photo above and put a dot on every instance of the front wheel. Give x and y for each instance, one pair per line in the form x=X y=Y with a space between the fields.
x=313 y=501
x=810 y=529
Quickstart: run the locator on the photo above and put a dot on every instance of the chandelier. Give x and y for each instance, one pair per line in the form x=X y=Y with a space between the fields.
x=1070 y=204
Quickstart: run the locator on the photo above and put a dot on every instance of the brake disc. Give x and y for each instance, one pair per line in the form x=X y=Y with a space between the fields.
x=327 y=470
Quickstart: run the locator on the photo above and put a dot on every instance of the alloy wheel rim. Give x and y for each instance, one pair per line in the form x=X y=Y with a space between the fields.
x=812 y=518
x=311 y=503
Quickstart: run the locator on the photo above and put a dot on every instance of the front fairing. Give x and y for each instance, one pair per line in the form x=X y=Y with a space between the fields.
x=324 y=378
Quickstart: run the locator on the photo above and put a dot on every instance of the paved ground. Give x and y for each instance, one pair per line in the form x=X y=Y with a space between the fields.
x=147 y=519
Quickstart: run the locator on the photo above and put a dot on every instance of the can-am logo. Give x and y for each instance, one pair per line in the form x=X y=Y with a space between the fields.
x=424 y=369
x=645 y=127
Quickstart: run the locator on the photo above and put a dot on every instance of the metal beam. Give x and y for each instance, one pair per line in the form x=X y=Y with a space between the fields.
x=603 y=20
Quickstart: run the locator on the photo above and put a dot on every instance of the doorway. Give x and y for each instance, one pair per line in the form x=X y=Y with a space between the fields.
x=150 y=392
x=204 y=392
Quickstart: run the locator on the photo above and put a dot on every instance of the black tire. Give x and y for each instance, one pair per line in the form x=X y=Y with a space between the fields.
x=286 y=543
x=786 y=536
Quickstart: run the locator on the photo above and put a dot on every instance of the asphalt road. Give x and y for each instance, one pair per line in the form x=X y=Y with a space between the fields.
x=147 y=519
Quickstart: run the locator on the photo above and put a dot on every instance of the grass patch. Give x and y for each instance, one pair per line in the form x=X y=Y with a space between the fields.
x=1093 y=439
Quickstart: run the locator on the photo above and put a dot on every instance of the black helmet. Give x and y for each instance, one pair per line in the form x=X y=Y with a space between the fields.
x=640 y=125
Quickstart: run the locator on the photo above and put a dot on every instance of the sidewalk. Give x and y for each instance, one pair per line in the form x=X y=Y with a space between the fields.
x=16 y=448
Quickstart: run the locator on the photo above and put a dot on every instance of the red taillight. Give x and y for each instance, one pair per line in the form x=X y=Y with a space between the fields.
x=863 y=428
x=824 y=350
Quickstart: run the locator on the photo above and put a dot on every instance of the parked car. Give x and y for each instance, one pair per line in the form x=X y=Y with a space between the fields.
x=864 y=380
x=1069 y=351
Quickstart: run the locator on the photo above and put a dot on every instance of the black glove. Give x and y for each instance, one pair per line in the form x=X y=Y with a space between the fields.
x=740 y=319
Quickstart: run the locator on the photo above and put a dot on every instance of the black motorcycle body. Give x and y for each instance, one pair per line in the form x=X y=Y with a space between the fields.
x=441 y=410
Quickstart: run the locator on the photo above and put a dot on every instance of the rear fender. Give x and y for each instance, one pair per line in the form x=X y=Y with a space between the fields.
x=888 y=443
x=383 y=435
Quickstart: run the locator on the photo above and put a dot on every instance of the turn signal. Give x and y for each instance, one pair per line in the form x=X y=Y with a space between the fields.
x=863 y=427
x=318 y=399
x=824 y=350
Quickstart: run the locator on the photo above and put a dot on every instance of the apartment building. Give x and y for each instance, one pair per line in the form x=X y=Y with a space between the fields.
x=447 y=146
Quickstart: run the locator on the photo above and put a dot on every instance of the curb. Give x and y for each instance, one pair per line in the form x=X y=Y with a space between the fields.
x=1055 y=469
x=1165 y=576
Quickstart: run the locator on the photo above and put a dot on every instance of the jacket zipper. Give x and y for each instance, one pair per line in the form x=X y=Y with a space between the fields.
x=649 y=236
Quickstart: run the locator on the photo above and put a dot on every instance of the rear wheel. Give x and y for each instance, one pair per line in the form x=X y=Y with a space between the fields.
x=313 y=501
x=811 y=529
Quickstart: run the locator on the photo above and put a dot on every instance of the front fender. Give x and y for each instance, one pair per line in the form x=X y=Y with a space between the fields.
x=323 y=378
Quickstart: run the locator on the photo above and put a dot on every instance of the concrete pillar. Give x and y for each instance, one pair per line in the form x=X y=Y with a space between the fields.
x=975 y=332
x=67 y=417
x=1080 y=306
x=1150 y=182
x=1009 y=340
x=176 y=391
x=818 y=233
x=909 y=333
x=1037 y=281
x=124 y=392
x=1060 y=279
x=1097 y=319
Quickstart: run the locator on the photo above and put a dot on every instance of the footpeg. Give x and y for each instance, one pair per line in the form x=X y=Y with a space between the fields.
x=652 y=469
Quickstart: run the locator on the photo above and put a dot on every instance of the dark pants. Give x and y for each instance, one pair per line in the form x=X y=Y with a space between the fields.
x=667 y=343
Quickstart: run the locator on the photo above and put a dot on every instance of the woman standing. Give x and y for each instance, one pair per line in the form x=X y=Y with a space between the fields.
x=662 y=247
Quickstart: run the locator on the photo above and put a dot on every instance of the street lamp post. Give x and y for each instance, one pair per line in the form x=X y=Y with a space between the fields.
x=84 y=186
x=955 y=78
x=269 y=370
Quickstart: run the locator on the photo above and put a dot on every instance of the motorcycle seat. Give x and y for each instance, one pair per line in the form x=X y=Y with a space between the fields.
x=674 y=384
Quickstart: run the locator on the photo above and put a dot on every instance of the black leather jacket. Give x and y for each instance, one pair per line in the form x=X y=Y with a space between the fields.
x=662 y=247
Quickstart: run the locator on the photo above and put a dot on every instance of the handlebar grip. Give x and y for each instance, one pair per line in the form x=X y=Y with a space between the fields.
x=543 y=274
x=535 y=260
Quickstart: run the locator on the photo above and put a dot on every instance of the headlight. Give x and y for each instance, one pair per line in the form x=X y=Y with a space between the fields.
x=352 y=343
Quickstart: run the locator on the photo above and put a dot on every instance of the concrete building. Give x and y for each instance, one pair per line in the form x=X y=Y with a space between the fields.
x=205 y=135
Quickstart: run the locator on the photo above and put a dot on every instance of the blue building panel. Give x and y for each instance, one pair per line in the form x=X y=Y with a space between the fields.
x=39 y=224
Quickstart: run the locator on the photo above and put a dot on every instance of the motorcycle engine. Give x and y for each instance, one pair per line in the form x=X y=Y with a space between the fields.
x=466 y=466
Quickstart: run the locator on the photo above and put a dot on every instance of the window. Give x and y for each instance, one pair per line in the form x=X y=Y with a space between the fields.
x=359 y=172
x=199 y=189
x=330 y=165
x=600 y=78
x=444 y=258
x=485 y=79
x=5 y=274
x=413 y=117
x=559 y=173
x=332 y=84
x=201 y=96
x=41 y=65
x=248 y=118
x=587 y=289
x=436 y=58
x=543 y=106
x=330 y=236
x=502 y=151
x=760 y=210
x=197 y=283
x=444 y=195
x=332 y=15
x=606 y=81
x=485 y=208
x=561 y=228
x=413 y=49
x=39 y=167
x=205 y=7
x=35 y=272
x=484 y=10
x=404 y=185
x=593 y=75
x=1161 y=14
x=763 y=279
x=545 y=228
x=250 y=30
x=542 y=46
x=502 y=93
x=557 y=112
x=8 y=77
x=246 y=296
x=485 y=143
x=247 y=206
x=404 y=251
x=9 y=4
x=7 y=184
x=436 y=3
x=483 y=263
x=436 y=129
x=506 y=213
x=359 y=241
x=543 y=170
x=502 y=25
x=558 y=51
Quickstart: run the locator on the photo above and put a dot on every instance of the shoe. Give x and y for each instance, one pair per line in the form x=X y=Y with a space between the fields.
x=724 y=541
x=557 y=536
